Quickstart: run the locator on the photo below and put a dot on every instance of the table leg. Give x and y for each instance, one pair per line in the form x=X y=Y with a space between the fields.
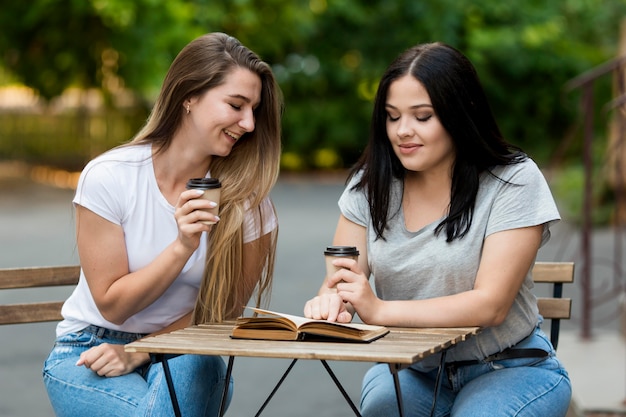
x=395 y=368
x=332 y=375
x=293 y=362
x=159 y=357
x=229 y=371
x=442 y=365
x=340 y=387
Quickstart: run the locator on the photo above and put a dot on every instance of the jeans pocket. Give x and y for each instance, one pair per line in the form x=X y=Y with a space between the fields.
x=69 y=346
x=77 y=339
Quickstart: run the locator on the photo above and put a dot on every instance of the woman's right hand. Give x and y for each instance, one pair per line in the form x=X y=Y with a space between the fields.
x=328 y=306
x=118 y=292
x=190 y=213
x=110 y=360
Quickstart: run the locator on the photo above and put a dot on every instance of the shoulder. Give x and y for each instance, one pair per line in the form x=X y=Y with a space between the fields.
x=118 y=160
x=123 y=155
x=354 y=179
x=523 y=172
x=354 y=189
x=111 y=171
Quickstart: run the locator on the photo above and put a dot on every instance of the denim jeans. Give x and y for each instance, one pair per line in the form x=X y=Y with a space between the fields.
x=78 y=391
x=522 y=387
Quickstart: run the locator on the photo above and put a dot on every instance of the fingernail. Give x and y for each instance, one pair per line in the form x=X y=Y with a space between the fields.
x=212 y=204
x=199 y=192
x=217 y=219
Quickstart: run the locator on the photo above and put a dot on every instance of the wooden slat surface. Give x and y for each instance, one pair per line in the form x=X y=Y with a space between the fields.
x=30 y=312
x=400 y=346
x=555 y=308
x=30 y=278
x=39 y=276
x=550 y=272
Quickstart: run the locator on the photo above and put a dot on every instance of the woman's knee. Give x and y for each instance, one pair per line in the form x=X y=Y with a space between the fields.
x=377 y=392
x=73 y=390
x=207 y=371
x=379 y=397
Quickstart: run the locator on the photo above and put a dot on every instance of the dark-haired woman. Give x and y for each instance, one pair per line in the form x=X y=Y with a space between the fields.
x=448 y=218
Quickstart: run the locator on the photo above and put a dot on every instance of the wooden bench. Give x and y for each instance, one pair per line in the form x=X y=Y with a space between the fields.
x=38 y=277
x=554 y=308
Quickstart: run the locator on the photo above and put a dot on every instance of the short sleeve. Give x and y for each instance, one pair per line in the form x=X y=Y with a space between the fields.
x=353 y=204
x=522 y=200
x=96 y=191
x=252 y=230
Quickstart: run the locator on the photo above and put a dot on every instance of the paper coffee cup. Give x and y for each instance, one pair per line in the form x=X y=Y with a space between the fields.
x=333 y=252
x=212 y=188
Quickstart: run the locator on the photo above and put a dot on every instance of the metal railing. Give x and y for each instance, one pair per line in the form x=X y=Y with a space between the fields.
x=586 y=83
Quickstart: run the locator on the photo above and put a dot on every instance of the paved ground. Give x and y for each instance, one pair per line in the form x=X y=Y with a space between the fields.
x=36 y=228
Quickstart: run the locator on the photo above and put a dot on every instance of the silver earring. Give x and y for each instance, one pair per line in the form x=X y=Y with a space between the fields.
x=187 y=108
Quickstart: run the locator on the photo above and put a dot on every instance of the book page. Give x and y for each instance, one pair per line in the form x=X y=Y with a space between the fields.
x=297 y=320
x=300 y=321
x=270 y=325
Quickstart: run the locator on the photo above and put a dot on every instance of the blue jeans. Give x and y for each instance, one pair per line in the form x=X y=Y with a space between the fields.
x=523 y=387
x=78 y=391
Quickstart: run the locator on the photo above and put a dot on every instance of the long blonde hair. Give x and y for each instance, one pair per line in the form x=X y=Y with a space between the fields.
x=247 y=174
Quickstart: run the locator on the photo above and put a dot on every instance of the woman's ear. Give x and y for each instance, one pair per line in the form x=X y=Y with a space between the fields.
x=188 y=103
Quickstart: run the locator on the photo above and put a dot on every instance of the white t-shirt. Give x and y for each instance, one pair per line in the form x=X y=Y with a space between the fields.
x=413 y=265
x=120 y=186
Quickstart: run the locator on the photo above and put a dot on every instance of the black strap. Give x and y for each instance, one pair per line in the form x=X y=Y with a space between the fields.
x=510 y=353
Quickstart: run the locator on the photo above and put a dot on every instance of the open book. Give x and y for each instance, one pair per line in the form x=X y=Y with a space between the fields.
x=269 y=325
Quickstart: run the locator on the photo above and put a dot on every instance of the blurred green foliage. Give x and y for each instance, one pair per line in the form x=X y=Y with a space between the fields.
x=327 y=55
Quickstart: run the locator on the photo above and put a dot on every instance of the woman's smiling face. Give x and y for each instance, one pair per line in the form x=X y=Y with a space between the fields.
x=417 y=136
x=224 y=114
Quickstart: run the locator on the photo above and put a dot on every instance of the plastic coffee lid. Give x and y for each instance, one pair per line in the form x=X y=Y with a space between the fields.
x=341 y=251
x=203 y=183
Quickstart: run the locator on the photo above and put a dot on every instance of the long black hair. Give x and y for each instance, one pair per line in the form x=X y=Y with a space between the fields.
x=461 y=105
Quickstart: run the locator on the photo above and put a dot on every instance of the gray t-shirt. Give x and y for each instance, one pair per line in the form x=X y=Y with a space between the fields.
x=418 y=265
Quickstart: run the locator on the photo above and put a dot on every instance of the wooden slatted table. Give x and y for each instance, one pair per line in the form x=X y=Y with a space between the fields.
x=400 y=348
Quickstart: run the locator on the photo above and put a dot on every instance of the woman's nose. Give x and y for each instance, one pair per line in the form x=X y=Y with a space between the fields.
x=247 y=122
x=404 y=128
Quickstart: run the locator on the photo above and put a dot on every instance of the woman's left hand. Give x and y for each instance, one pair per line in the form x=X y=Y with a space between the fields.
x=111 y=360
x=354 y=288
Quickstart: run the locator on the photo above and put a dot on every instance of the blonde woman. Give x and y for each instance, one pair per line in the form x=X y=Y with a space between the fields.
x=149 y=263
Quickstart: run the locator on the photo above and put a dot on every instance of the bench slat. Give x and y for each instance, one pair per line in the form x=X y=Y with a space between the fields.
x=553 y=308
x=30 y=278
x=39 y=277
x=30 y=312
x=551 y=272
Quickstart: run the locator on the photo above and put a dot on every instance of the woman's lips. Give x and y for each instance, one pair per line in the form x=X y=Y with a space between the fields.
x=409 y=148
